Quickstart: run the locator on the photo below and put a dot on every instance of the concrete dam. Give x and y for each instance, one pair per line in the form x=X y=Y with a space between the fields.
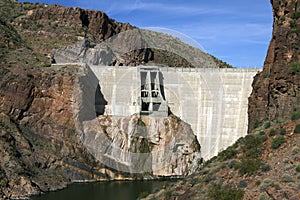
x=213 y=101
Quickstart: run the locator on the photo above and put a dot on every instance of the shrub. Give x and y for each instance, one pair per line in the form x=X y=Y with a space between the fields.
x=298 y=168
x=267 y=124
x=249 y=166
x=263 y=196
x=296 y=15
x=282 y=131
x=228 y=153
x=273 y=132
x=227 y=193
x=294 y=25
x=297 y=129
x=277 y=142
x=294 y=68
x=295 y=150
x=263 y=137
x=265 y=168
x=144 y=194
x=242 y=184
x=29 y=75
x=257 y=183
x=168 y=194
x=257 y=124
x=287 y=178
x=295 y=115
x=233 y=164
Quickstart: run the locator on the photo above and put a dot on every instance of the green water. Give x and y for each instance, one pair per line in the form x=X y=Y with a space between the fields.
x=115 y=190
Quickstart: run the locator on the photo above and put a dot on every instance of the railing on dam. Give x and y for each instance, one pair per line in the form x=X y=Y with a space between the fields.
x=173 y=69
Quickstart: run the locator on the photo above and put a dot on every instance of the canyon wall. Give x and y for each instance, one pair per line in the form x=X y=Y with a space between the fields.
x=276 y=90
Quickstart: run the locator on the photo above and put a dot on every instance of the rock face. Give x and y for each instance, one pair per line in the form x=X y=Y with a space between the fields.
x=135 y=145
x=117 y=50
x=44 y=150
x=98 y=25
x=276 y=90
x=150 y=147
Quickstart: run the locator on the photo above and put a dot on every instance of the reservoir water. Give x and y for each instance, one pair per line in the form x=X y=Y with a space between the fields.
x=125 y=190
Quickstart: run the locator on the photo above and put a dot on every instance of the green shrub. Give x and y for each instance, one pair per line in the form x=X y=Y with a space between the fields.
x=242 y=184
x=294 y=25
x=277 y=142
x=282 y=131
x=262 y=137
x=295 y=115
x=297 y=129
x=282 y=18
x=168 y=194
x=228 y=153
x=263 y=196
x=294 y=68
x=29 y=75
x=273 y=132
x=287 y=178
x=298 y=168
x=257 y=124
x=143 y=194
x=248 y=166
x=265 y=168
x=296 y=15
x=295 y=150
x=257 y=183
x=227 y=193
x=267 y=125
x=233 y=164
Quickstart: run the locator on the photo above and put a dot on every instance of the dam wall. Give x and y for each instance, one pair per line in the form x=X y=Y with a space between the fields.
x=213 y=101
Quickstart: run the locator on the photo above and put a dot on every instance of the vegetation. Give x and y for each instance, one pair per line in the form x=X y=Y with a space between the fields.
x=287 y=178
x=296 y=15
x=277 y=142
x=294 y=67
x=143 y=194
x=295 y=115
x=297 y=129
x=226 y=193
x=267 y=125
x=273 y=132
x=298 y=168
x=282 y=131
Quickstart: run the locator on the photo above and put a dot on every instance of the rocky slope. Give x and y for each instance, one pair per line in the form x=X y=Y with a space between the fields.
x=266 y=163
x=276 y=90
x=41 y=147
x=263 y=165
x=56 y=27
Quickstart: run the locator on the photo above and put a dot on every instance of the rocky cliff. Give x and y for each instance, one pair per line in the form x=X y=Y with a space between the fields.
x=276 y=90
x=41 y=147
x=41 y=139
x=264 y=164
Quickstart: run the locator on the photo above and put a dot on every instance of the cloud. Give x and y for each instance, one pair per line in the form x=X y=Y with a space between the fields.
x=232 y=33
x=186 y=9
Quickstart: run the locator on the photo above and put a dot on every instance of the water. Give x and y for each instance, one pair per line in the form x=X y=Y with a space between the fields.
x=125 y=190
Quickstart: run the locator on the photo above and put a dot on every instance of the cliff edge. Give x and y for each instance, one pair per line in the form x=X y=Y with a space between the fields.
x=276 y=90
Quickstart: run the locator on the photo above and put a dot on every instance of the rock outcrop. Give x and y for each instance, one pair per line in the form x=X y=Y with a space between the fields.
x=276 y=90
x=135 y=144
x=40 y=139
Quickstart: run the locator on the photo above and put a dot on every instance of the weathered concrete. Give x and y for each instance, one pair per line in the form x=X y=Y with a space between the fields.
x=152 y=146
x=214 y=101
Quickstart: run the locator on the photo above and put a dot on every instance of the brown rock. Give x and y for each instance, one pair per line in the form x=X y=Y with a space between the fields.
x=276 y=90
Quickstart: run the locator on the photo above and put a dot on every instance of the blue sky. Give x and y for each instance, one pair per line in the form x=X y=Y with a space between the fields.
x=235 y=31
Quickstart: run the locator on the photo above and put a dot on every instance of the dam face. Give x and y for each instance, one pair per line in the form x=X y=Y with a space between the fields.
x=213 y=101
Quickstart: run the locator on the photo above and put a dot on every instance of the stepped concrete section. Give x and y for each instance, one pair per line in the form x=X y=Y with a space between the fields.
x=213 y=101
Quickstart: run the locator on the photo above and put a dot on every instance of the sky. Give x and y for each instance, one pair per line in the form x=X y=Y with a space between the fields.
x=235 y=31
